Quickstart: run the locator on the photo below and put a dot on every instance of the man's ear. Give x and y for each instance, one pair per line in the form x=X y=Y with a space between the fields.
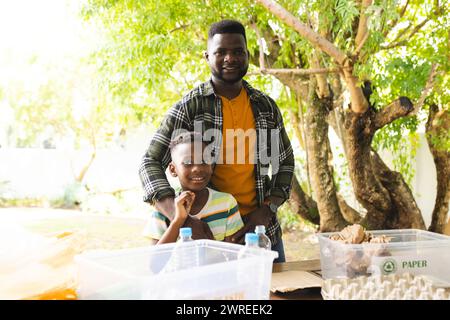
x=172 y=170
x=206 y=55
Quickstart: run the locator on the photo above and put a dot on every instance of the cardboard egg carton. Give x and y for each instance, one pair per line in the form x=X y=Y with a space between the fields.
x=379 y=287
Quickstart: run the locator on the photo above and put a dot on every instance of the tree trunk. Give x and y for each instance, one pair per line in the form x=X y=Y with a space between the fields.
x=439 y=120
x=318 y=146
x=80 y=177
x=406 y=214
x=350 y=214
x=302 y=204
x=368 y=189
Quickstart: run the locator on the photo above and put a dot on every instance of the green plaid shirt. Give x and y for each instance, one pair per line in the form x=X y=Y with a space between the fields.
x=202 y=107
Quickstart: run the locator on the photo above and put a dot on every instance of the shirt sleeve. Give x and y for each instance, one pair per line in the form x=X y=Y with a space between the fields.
x=156 y=226
x=234 y=220
x=157 y=158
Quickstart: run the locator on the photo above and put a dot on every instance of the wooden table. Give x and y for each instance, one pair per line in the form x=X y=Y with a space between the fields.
x=301 y=294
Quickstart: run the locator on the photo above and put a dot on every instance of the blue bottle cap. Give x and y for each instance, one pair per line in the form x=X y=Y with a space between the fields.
x=185 y=232
x=251 y=238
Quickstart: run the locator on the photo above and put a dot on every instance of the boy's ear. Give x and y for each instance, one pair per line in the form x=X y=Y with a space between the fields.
x=172 y=169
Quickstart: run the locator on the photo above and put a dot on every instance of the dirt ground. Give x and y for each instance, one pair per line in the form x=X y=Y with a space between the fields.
x=120 y=232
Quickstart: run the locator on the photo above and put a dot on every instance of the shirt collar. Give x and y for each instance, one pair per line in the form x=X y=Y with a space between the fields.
x=207 y=89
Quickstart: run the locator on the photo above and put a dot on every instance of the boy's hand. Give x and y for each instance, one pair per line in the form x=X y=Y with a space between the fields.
x=183 y=205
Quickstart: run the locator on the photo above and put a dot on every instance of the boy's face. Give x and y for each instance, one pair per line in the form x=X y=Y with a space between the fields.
x=192 y=176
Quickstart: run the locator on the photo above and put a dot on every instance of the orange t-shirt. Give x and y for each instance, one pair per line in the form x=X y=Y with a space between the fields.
x=235 y=170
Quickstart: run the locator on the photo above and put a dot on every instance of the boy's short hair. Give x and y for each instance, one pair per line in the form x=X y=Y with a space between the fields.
x=226 y=26
x=185 y=137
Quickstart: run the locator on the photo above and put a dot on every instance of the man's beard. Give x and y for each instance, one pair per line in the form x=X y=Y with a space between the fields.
x=237 y=78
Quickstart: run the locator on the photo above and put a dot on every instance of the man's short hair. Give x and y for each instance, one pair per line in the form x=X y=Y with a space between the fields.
x=226 y=26
x=185 y=137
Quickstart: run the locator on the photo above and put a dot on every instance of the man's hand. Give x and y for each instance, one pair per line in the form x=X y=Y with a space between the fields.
x=200 y=229
x=166 y=206
x=259 y=216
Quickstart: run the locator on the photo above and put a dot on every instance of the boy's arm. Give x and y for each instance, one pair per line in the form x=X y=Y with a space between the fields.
x=172 y=232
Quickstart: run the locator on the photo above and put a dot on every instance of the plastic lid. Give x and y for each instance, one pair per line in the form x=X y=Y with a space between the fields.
x=260 y=229
x=251 y=238
x=185 y=232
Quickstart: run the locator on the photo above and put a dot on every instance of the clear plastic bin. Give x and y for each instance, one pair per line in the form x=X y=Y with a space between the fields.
x=136 y=273
x=411 y=251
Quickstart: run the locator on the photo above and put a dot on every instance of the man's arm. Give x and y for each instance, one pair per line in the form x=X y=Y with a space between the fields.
x=166 y=206
x=157 y=158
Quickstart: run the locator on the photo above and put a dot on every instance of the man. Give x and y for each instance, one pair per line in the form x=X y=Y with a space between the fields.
x=228 y=106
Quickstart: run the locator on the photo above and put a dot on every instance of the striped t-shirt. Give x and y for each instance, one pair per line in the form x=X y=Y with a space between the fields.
x=220 y=212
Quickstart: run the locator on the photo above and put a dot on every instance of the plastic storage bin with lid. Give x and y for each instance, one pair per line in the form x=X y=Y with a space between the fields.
x=411 y=251
x=136 y=273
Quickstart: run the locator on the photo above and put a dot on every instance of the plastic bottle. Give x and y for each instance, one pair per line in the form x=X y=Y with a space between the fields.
x=252 y=269
x=263 y=240
x=251 y=246
x=184 y=254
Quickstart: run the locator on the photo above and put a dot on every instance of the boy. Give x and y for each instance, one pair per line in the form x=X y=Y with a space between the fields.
x=219 y=210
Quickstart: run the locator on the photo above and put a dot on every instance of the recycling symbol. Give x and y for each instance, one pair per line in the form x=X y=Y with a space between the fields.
x=389 y=266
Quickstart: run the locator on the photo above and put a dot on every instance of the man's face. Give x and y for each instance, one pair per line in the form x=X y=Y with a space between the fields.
x=227 y=57
x=193 y=176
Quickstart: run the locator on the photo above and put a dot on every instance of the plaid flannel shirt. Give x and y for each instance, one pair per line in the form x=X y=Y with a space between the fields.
x=203 y=106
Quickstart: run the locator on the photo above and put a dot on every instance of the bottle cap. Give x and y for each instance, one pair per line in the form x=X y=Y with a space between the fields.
x=260 y=229
x=251 y=238
x=186 y=232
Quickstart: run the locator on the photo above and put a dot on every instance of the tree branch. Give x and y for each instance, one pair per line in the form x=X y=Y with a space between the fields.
x=322 y=83
x=395 y=21
x=359 y=102
x=262 y=65
x=396 y=109
x=361 y=44
x=408 y=37
x=184 y=26
x=314 y=38
x=296 y=72
x=402 y=13
x=427 y=89
x=362 y=26
x=350 y=214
